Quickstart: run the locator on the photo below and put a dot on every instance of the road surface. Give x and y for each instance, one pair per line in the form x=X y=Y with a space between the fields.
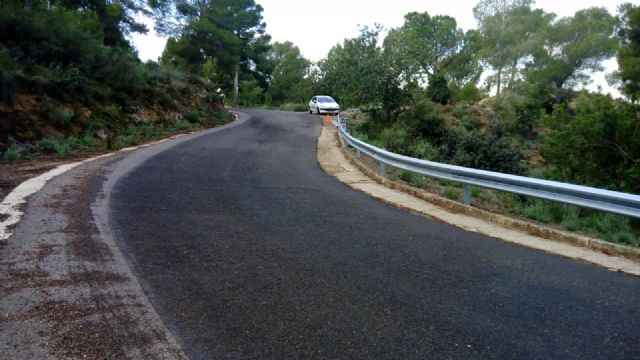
x=248 y=250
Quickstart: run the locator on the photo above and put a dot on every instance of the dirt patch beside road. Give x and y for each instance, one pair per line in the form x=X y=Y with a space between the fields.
x=65 y=291
x=13 y=174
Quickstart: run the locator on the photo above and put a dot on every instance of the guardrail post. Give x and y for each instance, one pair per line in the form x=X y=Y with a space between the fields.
x=381 y=169
x=467 y=194
x=358 y=153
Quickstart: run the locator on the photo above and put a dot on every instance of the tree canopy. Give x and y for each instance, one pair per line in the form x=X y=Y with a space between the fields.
x=629 y=52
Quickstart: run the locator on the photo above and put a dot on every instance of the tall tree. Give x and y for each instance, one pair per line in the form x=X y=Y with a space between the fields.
x=433 y=50
x=229 y=32
x=574 y=47
x=629 y=52
x=118 y=17
x=354 y=70
x=508 y=29
x=289 y=79
x=425 y=46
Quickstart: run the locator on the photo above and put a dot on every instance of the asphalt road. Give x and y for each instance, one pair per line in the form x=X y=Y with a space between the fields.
x=248 y=250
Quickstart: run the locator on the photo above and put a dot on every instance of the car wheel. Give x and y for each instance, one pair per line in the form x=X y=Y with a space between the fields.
x=310 y=111
x=318 y=110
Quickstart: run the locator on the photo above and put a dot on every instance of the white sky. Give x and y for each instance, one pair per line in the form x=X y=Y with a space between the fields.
x=316 y=26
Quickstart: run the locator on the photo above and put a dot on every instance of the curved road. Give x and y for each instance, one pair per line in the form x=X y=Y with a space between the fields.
x=248 y=250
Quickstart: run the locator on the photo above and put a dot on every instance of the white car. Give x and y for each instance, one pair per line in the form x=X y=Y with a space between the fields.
x=322 y=104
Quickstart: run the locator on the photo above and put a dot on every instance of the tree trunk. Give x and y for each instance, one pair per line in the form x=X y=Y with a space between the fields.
x=499 y=81
x=558 y=90
x=514 y=67
x=236 y=87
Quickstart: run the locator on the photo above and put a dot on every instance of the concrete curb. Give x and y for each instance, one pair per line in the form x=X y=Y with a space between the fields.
x=508 y=222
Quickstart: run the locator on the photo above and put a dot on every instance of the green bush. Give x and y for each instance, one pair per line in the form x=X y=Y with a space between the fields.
x=596 y=144
x=412 y=178
x=64 y=146
x=183 y=125
x=396 y=139
x=438 y=90
x=194 y=117
x=488 y=150
x=423 y=149
x=11 y=154
x=424 y=121
x=452 y=193
x=468 y=93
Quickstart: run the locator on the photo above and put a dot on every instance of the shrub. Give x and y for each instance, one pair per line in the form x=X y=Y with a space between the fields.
x=183 y=125
x=194 y=117
x=423 y=149
x=452 y=193
x=396 y=139
x=11 y=154
x=469 y=93
x=438 y=90
x=483 y=150
x=425 y=121
x=412 y=178
x=596 y=145
x=63 y=146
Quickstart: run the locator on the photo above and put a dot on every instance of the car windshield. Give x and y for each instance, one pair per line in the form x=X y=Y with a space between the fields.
x=325 y=99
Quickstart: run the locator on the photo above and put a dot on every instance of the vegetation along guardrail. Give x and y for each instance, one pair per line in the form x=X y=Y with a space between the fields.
x=584 y=196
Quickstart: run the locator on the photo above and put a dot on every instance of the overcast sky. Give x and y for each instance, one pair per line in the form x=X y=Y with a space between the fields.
x=316 y=26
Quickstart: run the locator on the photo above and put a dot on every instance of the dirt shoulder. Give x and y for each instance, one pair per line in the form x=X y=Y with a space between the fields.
x=13 y=174
x=335 y=162
x=65 y=292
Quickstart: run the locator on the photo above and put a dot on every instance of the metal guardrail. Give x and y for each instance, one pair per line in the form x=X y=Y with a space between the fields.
x=584 y=196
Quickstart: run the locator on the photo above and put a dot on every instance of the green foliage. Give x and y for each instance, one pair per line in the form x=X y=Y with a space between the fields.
x=12 y=153
x=595 y=144
x=216 y=38
x=610 y=227
x=64 y=146
x=424 y=121
x=573 y=48
x=452 y=193
x=137 y=134
x=469 y=93
x=511 y=32
x=488 y=150
x=412 y=178
x=519 y=114
x=290 y=81
x=250 y=94
x=194 y=117
x=438 y=90
x=432 y=46
x=423 y=149
x=396 y=139
x=183 y=125
x=629 y=52
x=354 y=72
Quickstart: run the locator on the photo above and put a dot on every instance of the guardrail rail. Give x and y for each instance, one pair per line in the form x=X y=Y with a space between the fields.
x=583 y=196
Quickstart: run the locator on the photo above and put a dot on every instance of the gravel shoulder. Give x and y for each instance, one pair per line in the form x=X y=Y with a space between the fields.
x=66 y=291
